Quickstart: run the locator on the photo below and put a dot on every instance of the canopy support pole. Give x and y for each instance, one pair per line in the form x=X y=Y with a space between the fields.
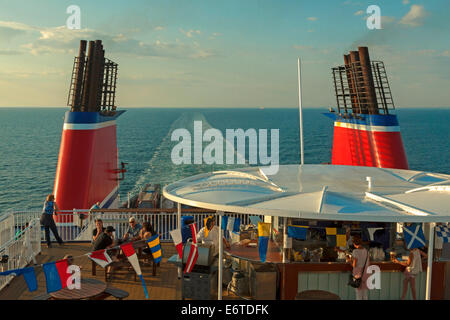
x=284 y=238
x=300 y=109
x=179 y=227
x=220 y=271
x=430 y=260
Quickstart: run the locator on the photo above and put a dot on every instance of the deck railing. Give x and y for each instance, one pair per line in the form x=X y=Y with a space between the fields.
x=21 y=249
x=78 y=225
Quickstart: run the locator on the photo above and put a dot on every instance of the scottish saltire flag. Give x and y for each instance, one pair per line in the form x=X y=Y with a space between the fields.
x=263 y=234
x=100 y=257
x=56 y=275
x=336 y=237
x=28 y=274
x=178 y=241
x=155 y=247
x=414 y=237
x=129 y=251
x=443 y=232
x=193 y=252
x=297 y=232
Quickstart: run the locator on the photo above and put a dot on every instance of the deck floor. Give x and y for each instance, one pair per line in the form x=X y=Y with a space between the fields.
x=163 y=286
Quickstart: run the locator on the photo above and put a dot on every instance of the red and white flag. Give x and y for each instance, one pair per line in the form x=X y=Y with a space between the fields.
x=100 y=257
x=193 y=253
x=178 y=241
x=129 y=251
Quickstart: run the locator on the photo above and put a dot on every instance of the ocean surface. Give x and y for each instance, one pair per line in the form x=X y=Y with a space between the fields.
x=30 y=140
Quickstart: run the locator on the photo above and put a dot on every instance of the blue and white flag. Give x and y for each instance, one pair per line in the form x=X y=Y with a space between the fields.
x=297 y=232
x=28 y=274
x=443 y=232
x=414 y=237
x=233 y=224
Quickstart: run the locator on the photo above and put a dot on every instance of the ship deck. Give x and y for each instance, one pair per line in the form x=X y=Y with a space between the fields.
x=163 y=286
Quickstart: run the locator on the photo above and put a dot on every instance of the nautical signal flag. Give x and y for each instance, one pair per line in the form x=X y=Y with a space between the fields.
x=193 y=252
x=263 y=237
x=100 y=257
x=297 y=232
x=155 y=247
x=206 y=223
x=231 y=224
x=413 y=235
x=56 y=275
x=336 y=237
x=443 y=232
x=129 y=251
x=28 y=274
x=178 y=241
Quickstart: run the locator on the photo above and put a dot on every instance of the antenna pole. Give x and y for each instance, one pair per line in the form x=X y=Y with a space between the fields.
x=302 y=162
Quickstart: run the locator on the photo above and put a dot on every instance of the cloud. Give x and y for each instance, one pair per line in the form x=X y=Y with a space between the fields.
x=415 y=16
x=214 y=35
x=359 y=13
x=313 y=18
x=9 y=52
x=159 y=28
x=191 y=33
x=60 y=40
x=405 y=1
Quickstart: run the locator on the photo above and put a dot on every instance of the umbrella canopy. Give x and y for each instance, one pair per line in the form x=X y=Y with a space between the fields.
x=321 y=192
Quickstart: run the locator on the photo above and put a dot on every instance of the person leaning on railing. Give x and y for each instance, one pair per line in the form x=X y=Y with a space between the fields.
x=47 y=221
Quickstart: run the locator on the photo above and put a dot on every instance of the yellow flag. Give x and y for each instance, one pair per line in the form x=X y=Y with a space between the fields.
x=206 y=229
x=263 y=229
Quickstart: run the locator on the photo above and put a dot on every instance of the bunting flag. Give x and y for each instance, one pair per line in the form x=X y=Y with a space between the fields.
x=413 y=235
x=254 y=220
x=28 y=274
x=155 y=247
x=224 y=223
x=336 y=237
x=263 y=234
x=178 y=241
x=233 y=224
x=129 y=251
x=443 y=232
x=100 y=257
x=193 y=253
x=206 y=229
x=297 y=232
x=56 y=275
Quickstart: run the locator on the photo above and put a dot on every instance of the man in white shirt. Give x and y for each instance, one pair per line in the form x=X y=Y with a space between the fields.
x=213 y=235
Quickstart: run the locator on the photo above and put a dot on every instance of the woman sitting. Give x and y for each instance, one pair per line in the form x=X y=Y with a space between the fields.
x=146 y=233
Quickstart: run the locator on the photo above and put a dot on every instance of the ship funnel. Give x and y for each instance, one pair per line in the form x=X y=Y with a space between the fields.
x=87 y=170
x=366 y=132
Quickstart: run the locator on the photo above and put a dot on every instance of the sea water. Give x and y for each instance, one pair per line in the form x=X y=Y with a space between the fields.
x=30 y=140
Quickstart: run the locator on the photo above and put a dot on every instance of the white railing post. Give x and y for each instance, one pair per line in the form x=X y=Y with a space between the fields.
x=430 y=261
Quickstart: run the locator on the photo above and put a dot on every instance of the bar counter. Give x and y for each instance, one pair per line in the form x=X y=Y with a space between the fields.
x=333 y=276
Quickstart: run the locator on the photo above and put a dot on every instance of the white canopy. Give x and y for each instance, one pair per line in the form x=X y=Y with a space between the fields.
x=321 y=192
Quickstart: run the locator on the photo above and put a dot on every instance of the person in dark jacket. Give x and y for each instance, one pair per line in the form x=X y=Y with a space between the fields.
x=47 y=221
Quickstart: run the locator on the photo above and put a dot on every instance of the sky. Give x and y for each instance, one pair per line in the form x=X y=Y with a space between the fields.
x=234 y=53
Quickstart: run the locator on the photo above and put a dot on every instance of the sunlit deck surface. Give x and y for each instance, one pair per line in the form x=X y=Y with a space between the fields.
x=163 y=286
